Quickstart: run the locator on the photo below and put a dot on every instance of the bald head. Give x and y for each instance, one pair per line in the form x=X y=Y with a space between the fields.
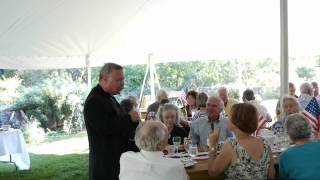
x=151 y=136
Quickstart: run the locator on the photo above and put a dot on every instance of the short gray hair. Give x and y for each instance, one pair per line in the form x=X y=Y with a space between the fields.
x=107 y=69
x=298 y=127
x=223 y=88
x=216 y=98
x=305 y=88
x=149 y=139
x=167 y=107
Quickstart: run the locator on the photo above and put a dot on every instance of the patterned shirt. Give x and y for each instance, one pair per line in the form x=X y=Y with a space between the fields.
x=245 y=167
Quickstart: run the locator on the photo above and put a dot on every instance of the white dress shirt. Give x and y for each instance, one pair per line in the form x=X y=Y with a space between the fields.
x=150 y=165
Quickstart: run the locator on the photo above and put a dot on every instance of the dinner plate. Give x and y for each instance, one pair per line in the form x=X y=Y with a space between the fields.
x=201 y=157
x=188 y=164
x=202 y=153
x=187 y=161
x=177 y=155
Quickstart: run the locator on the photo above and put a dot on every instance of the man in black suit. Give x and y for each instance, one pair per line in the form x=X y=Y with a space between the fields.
x=106 y=124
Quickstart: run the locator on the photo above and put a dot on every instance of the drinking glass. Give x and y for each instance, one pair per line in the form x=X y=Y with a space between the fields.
x=193 y=150
x=176 y=141
x=187 y=143
x=171 y=149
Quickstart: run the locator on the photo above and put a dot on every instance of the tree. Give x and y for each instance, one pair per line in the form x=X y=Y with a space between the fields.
x=306 y=73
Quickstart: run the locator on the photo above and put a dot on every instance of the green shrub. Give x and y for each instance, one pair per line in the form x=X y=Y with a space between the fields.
x=55 y=103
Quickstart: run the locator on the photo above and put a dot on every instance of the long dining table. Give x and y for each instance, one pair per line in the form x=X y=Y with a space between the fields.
x=200 y=171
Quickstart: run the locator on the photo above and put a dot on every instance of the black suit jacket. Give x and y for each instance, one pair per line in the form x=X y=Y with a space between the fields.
x=108 y=134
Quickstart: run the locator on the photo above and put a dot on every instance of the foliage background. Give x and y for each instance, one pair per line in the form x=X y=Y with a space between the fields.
x=54 y=98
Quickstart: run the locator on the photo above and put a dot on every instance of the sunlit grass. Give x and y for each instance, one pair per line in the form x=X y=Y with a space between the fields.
x=60 y=157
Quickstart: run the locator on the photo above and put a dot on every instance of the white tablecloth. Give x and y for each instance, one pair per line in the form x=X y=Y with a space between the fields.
x=12 y=143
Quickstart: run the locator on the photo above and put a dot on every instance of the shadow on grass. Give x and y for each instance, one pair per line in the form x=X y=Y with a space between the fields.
x=47 y=167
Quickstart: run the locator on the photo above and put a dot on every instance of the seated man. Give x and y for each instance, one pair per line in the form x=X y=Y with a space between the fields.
x=264 y=116
x=204 y=125
x=307 y=93
x=151 y=138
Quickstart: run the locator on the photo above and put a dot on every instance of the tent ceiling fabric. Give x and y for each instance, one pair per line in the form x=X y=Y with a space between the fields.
x=43 y=33
x=38 y=34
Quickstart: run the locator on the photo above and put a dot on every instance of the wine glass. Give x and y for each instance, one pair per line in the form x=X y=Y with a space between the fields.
x=176 y=141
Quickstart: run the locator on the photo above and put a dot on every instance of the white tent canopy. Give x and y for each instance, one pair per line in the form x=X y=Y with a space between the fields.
x=60 y=33
x=38 y=34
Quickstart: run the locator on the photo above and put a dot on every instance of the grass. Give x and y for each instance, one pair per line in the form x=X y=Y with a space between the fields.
x=58 y=158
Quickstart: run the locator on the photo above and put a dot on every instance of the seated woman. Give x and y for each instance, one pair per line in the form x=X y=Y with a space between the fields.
x=246 y=157
x=191 y=108
x=301 y=161
x=169 y=115
x=202 y=99
x=290 y=105
x=130 y=107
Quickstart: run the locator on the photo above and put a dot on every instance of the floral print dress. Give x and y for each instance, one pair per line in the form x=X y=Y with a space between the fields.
x=247 y=168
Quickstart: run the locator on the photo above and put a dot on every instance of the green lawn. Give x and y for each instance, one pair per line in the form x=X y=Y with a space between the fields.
x=47 y=165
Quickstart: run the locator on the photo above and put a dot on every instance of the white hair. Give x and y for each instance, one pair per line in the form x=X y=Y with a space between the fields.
x=167 y=107
x=216 y=98
x=305 y=88
x=148 y=137
x=223 y=88
x=298 y=127
x=290 y=98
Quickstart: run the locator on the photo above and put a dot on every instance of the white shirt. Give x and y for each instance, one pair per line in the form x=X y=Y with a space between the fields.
x=304 y=100
x=150 y=165
x=262 y=110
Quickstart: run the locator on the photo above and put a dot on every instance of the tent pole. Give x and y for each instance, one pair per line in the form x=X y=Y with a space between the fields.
x=157 y=78
x=284 y=62
x=152 y=72
x=88 y=72
x=143 y=84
